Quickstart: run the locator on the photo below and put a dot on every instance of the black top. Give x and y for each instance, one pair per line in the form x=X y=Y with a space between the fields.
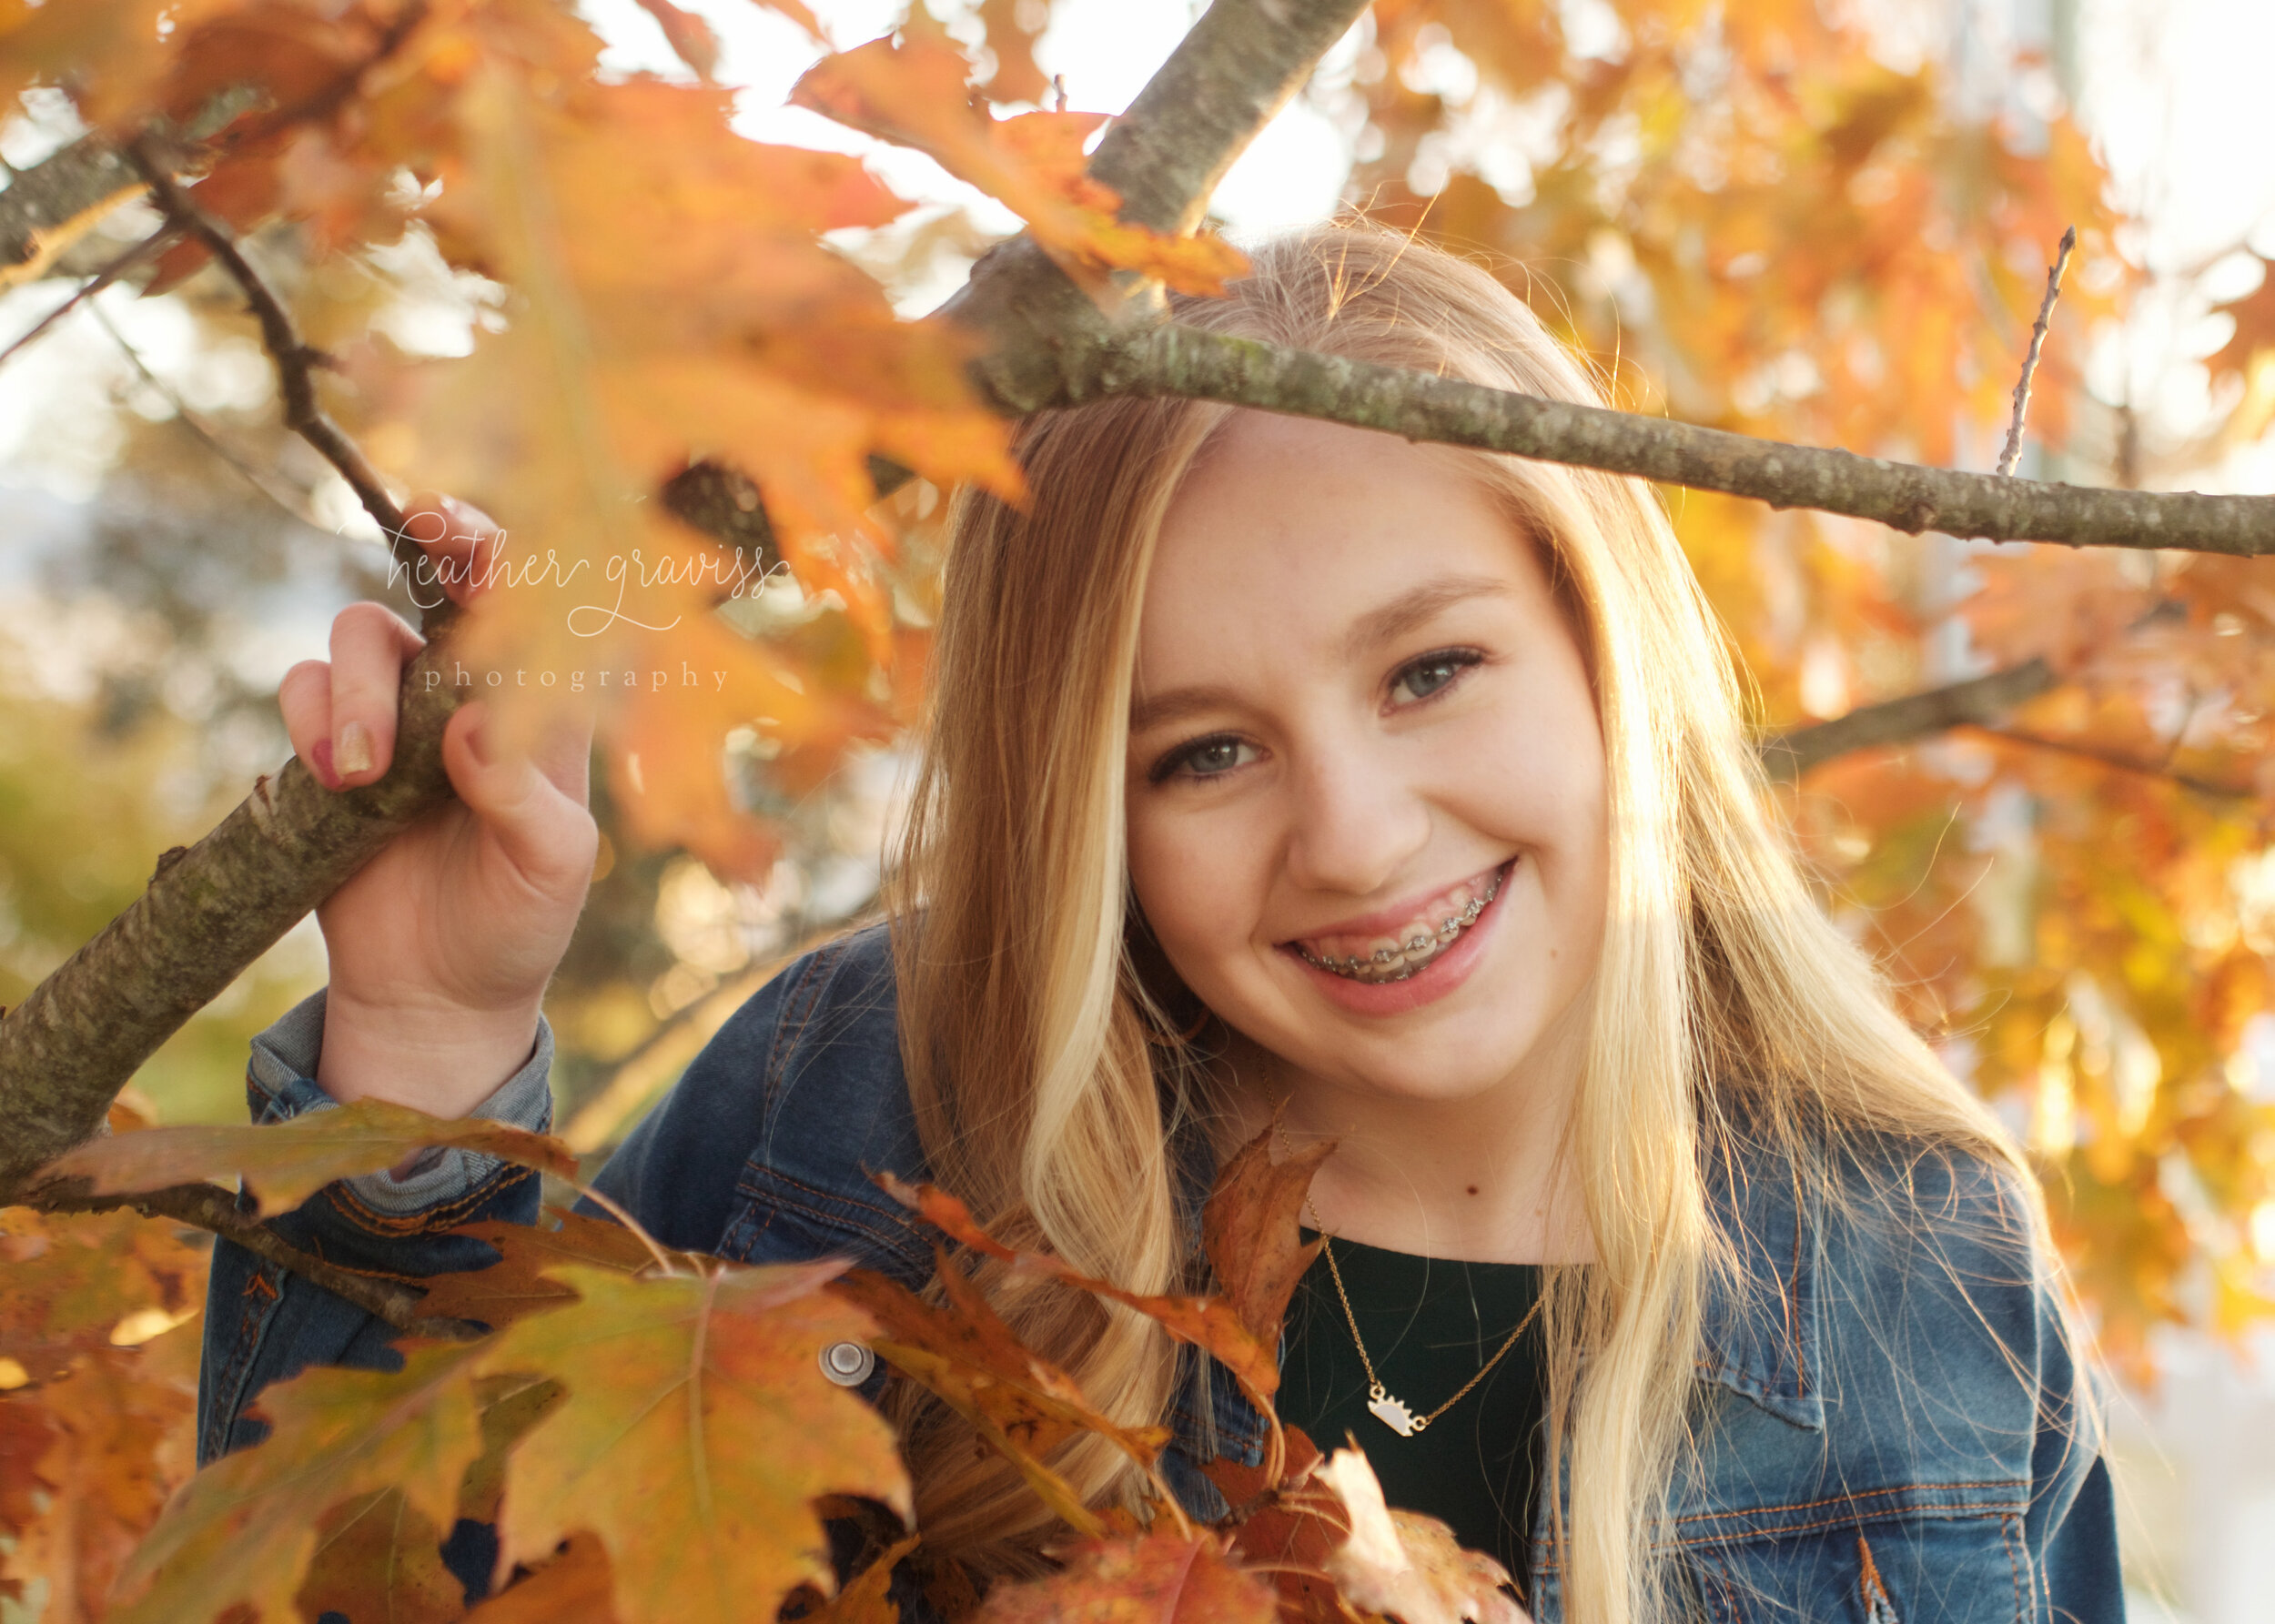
x=1429 y=1325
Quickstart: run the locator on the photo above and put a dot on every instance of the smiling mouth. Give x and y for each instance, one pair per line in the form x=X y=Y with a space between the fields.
x=1413 y=947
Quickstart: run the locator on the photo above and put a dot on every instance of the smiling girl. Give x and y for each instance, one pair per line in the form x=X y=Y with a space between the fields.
x=1279 y=771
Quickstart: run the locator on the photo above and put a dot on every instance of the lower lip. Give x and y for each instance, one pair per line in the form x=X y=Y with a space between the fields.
x=1433 y=982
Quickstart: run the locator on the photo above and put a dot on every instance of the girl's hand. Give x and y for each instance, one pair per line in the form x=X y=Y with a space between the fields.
x=442 y=944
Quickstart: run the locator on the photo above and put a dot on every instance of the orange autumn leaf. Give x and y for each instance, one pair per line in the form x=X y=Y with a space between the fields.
x=576 y=1586
x=1207 y=1323
x=1165 y=1576
x=245 y=1528
x=911 y=90
x=1251 y=1230
x=697 y=1432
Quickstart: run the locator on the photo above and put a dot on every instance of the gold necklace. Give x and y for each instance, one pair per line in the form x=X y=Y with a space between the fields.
x=1392 y=1412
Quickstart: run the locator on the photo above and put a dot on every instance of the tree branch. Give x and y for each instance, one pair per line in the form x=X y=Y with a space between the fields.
x=1980 y=701
x=2012 y=456
x=1227 y=78
x=1181 y=360
x=68 y=1048
x=211 y=1207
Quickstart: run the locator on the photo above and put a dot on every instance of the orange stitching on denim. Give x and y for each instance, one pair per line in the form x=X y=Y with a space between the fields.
x=2014 y=1569
x=1850 y=1498
x=371 y=1220
x=2004 y=1513
x=898 y=1214
x=792 y=1024
x=256 y=1284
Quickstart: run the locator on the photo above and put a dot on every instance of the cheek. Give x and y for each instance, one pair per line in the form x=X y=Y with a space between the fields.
x=1192 y=881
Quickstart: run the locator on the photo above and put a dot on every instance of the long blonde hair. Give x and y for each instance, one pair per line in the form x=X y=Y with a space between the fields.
x=1721 y=990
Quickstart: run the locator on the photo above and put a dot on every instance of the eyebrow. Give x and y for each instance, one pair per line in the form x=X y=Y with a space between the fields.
x=1412 y=609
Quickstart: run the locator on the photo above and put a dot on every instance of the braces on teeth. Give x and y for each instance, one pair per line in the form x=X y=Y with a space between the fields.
x=1420 y=943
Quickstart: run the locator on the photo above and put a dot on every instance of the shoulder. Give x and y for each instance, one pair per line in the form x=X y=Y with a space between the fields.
x=763 y=1149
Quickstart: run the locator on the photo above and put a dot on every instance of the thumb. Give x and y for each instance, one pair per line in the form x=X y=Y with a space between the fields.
x=545 y=834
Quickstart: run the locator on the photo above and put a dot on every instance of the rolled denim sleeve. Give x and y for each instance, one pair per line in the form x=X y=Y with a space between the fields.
x=264 y=1322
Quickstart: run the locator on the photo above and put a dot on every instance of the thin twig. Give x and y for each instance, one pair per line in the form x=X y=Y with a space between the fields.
x=1980 y=701
x=662 y=1258
x=160 y=238
x=295 y=361
x=2123 y=764
x=188 y=419
x=211 y=1207
x=2012 y=455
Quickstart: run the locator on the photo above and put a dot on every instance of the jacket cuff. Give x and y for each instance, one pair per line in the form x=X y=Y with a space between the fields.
x=281 y=1084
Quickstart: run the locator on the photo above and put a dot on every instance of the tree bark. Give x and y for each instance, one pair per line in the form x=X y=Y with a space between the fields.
x=1978 y=702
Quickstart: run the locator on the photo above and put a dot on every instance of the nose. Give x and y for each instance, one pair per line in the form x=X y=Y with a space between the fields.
x=1356 y=823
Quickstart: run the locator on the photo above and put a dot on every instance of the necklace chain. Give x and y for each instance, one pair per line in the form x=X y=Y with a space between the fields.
x=1392 y=1412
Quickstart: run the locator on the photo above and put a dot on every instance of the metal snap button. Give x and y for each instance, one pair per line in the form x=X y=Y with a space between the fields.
x=847 y=1364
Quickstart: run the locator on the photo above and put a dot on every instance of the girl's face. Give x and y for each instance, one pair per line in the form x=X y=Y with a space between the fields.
x=1366 y=797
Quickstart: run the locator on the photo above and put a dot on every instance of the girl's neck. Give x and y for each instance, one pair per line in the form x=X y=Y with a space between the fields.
x=1478 y=1179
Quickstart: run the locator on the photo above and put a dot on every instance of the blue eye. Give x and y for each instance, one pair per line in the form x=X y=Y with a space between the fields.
x=1204 y=757
x=1433 y=673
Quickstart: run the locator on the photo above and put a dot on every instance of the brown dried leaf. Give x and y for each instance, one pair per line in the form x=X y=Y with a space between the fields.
x=1207 y=1323
x=1252 y=1231
x=376 y=1556
x=517 y=1283
x=577 y=1586
x=286 y=1163
x=1162 y=1577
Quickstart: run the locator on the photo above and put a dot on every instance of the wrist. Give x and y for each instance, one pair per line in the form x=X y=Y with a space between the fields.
x=444 y=1060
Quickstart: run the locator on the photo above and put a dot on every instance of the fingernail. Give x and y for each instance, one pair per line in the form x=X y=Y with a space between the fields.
x=353 y=752
x=321 y=764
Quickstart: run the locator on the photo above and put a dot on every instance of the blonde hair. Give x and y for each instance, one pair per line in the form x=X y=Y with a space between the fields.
x=1721 y=991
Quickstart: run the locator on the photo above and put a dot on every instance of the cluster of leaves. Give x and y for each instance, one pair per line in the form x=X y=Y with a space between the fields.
x=652 y=1433
x=1754 y=220
x=649 y=317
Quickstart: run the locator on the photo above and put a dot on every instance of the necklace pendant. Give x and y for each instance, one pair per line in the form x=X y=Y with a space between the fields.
x=1393 y=1415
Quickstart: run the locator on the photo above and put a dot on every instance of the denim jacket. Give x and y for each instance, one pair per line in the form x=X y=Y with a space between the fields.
x=1889 y=1422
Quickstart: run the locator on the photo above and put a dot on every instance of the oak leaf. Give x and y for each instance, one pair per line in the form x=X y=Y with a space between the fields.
x=284 y=1163
x=1252 y=1229
x=696 y=1432
x=517 y=1283
x=244 y=1529
x=912 y=91
x=375 y=1556
x=1207 y=1323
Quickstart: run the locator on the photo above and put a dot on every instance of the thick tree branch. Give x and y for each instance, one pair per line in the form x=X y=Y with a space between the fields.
x=47 y=206
x=1182 y=360
x=1981 y=701
x=211 y=1207
x=68 y=1048
x=1227 y=79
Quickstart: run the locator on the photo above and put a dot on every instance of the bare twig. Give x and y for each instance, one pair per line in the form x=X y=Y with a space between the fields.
x=1174 y=359
x=211 y=1207
x=2099 y=756
x=1980 y=701
x=295 y=361
x=152 y=243
x=2012 y=455
x=189 y=420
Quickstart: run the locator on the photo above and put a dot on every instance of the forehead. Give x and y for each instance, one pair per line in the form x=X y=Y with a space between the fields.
x=1290 y=528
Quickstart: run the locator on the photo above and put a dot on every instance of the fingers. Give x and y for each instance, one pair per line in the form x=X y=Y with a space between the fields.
x=369 y=649
x=460 y=543
x=538 y=824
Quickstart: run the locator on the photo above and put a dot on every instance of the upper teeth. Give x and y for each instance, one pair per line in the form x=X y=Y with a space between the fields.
x=1422 y=945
